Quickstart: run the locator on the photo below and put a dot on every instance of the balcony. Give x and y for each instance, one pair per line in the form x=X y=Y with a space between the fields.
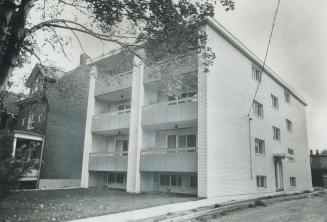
x=108 y=162
x=169 y=160
x=107 y=123
x=178 y=111
x=115 y=83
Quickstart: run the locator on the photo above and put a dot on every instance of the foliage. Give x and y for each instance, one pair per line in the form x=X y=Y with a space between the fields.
x=167 y=28
x=12 y=169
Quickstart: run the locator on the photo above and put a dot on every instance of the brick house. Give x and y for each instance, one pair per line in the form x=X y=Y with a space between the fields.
x=318 y=168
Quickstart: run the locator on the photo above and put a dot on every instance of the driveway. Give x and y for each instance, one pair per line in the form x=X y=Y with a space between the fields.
x=312 y=209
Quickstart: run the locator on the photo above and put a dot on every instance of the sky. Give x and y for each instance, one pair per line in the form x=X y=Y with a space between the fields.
x=298 y=51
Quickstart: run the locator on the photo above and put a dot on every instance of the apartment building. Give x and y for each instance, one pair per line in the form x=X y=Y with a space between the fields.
x=204 y=141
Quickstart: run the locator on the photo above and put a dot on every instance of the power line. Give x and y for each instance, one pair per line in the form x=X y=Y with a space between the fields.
x=266 y=55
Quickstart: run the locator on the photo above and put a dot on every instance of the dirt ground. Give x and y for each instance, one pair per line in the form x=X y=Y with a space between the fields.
x=313 y=209
x=63 y=205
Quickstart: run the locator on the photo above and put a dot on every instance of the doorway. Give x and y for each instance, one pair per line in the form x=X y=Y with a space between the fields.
x=279 y=174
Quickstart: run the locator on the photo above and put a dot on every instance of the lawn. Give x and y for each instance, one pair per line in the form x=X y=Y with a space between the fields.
x=69 y=204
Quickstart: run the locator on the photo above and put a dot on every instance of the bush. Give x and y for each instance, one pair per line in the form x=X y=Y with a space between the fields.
x=12 y=169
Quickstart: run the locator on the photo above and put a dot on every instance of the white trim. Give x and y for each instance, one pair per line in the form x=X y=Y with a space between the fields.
x=28 y=136
x=242 y=48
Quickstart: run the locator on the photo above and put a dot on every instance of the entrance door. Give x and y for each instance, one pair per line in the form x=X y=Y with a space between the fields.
x=279 y=174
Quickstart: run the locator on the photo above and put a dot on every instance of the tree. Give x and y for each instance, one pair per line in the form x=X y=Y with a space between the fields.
x=169 y=26
x=14 y=168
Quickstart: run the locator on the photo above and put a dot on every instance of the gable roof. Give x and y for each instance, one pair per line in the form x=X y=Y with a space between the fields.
x=49 y=74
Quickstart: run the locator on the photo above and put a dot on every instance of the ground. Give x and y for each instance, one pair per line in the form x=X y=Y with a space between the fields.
x=63 y=205
x=312 y=209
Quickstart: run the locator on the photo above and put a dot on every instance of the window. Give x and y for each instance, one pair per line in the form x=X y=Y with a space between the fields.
x=119 y=178
x=182 y=141
x=259 y=146
x=289 y=125
x=191 y=140
x=39 y=118
x=276 y=133
x=262 y=181
x=176 y=180
x=31 y=122
x=124 y=108
x=193 y=181
x=287 y=96
x=274 y=102
x=23 y=122
x=290 y=153
x=164 y=180
x=258 y=109
x=121 y=147
x=256 y=73
x=171 y=141
x=293 y=181
x=111 y=178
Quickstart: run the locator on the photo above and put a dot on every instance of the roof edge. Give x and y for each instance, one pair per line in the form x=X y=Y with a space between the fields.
x=248 y=53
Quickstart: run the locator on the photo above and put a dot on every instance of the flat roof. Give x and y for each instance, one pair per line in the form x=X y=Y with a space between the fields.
x=249 y=54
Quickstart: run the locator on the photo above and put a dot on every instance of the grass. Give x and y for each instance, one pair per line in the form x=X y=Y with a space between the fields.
x=63 y=205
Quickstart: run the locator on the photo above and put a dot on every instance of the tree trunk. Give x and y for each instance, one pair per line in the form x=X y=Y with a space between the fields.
x=15 y=41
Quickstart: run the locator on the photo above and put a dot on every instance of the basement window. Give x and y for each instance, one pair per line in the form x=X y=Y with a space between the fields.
x=293 y=181
x=262 y=181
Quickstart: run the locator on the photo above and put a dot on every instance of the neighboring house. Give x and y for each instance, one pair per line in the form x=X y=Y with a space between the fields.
x=31 y=122
x=318 y=169
x=202 y=142
x=8 y=111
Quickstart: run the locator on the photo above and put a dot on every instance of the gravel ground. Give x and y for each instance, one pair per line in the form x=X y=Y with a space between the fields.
x=313 y=209
x=63 y=205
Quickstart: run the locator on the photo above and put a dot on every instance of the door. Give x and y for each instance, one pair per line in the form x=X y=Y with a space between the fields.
x=279 y=174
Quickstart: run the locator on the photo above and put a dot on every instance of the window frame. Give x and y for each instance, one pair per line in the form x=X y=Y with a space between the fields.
x=289 y=125
x=256 y=105
x=257 y=149
x=292 y=182
x=195 y=182
x=274 y=102
x=287 y=95
x=31 y=121
x=291 y=154
x=279 y=133
x=256 y=71
x=261 y=181
x=177 y=138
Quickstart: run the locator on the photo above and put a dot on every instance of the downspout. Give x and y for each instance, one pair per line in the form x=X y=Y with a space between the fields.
x=250 y=143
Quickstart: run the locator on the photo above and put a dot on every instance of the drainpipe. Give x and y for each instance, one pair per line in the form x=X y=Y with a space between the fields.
x=250 y=143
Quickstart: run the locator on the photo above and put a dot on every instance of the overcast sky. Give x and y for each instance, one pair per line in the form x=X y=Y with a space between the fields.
x=298 y=50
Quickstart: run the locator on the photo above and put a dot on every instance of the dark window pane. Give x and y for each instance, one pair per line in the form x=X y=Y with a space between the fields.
x=182 y=141
x=191 y=140
x=193 y=181
x=172 y=141
x=164 y=180
x=120 y=178
x=111 y=178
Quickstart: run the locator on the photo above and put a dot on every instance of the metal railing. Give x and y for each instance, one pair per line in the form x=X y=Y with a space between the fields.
x=169 y=150
x=174 y=102
x=108 y=154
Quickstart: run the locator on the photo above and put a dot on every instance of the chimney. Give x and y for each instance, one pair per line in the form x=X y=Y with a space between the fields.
x=83 y=59
x=317 y=152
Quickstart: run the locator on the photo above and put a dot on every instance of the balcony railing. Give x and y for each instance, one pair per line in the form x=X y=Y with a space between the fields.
x=185 y=109
x=169 y=150
x=111 y=121
x=169 y=160
x=114 y=83
x=104 y=161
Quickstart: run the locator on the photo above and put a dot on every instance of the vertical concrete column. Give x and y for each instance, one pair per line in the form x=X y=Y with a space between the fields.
x=14 y=147
x=135 y=130
x=88 y=129
x=202 y=130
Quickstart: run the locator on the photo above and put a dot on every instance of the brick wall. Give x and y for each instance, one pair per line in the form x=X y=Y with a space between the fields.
x=63 y=151
x=36 y=107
